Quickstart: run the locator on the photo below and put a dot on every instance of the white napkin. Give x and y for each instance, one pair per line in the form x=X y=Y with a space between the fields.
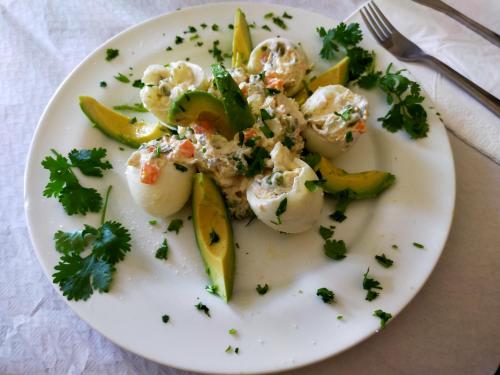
x=464 y=51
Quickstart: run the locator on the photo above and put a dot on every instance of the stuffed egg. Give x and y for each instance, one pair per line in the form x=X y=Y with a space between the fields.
x=164 y=83
x=335 y=119
x=281 y=199
x=283 y=63
x=160 y=186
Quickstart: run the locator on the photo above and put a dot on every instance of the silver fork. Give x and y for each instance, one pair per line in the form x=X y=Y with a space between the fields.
x=406 y=50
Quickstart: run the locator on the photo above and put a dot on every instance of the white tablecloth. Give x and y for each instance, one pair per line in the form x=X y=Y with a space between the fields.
x=451 y=327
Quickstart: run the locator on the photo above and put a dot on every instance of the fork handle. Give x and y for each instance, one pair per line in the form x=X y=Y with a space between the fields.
x=483 y=96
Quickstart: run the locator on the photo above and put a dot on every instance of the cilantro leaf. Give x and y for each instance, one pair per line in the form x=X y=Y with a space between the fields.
x=335 y=249
x=112 y=242
x=77 y=199
x=60 y=174
x=175 y=226
x=369 y=284
x=383 y=316
x=111 y=54
x=256 y=161
x=262 y=289
x=326 y=295
x=359 y=61
x=369 y=80
x=384 y=261
x=325 y=232
x=89 y=161
x=201 y=307
x=75 y=241
x=162 y=252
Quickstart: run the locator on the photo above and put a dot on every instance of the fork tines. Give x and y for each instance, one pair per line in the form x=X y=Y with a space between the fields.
x=378 y=24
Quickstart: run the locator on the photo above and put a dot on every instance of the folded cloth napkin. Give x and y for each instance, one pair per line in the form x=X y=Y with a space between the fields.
x=464 y=51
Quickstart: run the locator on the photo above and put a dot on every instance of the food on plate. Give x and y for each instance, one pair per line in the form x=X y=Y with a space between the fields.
x=361 y=185
x=242 y=41
x=237 y=109
x=214 y=234
x=283 y=63
x=335 y=119
x=338 y=74
x=119 y=127
x=158 y=185
x=281 y=199
x=164 y=83
x=203 y=110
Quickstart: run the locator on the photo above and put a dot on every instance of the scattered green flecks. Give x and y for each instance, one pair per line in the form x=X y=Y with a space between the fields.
x=369 y=284
x=201 y=307
x=334 y=249
x=325 y=232
x=326 y=295
x=162 y=251
x=212 y=289
x=215 y=27
x=103 y=84
x=384 y=261
x=111 y=54
x=178 y=39
x=122 y=78
x=175 y=226
x=338 y=216
x=262 y=289
x=383 y=316
x=165 y=318
x=418 y=245
x=395 y=247
x=232 y=331
x=153 y=222
x=340 y=317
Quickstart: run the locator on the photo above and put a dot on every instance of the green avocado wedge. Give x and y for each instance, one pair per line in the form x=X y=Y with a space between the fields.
x=119 y=127
x=235 y=104
x=214 y=234
x=242 y=42
x=362 y=185
x=199 y=107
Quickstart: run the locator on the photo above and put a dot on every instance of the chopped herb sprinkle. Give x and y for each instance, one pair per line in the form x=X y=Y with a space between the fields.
x=168 y=48
x=175 y=226
x=348 y=137
x=199 y=43
x=325 y=232
x=203 y=25
x=326 y=295
x=369 y=284
x=418 y=245
x=215 y=27
x=232 y=331
x=178 y=39
x=103 y=84
x=111 y=54
x=230 y=26
x=340 y=317
x=286 y=15
x=153 y=222
x=265 y=27
x=214 y=237
x=334 y=249
x=229 y=349
x=138 y=84
x=384 y=261
x=122 y=78
x=383 y=316
x=278 y=21
x=165 y=318
x=269 y=15
x=395 y=247
x=201 y=307
x=338 y=216
x=262 y=289
x=133 y=120
x=281 y=209
x=180 y=167
x=212 y=289
x=162 y=252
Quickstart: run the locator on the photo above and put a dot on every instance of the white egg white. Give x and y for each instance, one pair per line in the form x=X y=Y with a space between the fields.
x=281 y=60
x=326 y=131
x=164 y=83
x=167 y=195
x=303 y=207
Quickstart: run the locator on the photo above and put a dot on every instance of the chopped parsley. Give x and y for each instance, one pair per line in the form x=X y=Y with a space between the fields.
x=103 y=84
x=180 y=167
x=230 y=26
x=340 y=317
x=216 y=52
x=348 y=137
x=229 y=349
x=136 y=107
x=168 y=49
x=162 y=251
x=265 y=27
x=191 y=29
x=313 y=185
x=418 y=245
x=194 y=37
x=269 y=15
x=338 y=216
x=232 y=331
x=214 y=237
x=203 y=25
x=199 y=44
x=201 y=307
x=281 y=209
x=325 y=232
x=278 y=21
x=326 y=295
x=262 y=289
x=138 y=84
x=286 y=15
x=288 y=142
x=178 y=39
x=266 y=130
x=272 y=91
x=153 y=222
x=369 y=284
x=237 y=350
x=384 y=261
x=165 y=318
x=215 y=27
x=133 y=120
x=334 y=249
x=90 y=162
x=395 y=247
x=256 y=161
x=111 y=54
x=175 y=226
x=122 y=78
x=383 y=316
x=212 y=289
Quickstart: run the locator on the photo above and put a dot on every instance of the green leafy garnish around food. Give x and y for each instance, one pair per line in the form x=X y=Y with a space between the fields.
x=175 y=226
x=136 y=107
x=384 y=261
x=64 y=185
x=165 y=318
x=122 y=78
x=111 y=54
x=418 y=245
x=216 y=52
x=383 y=316
x=178 y=39
x=212 y=289
x=256 y=161
x=278 y=21
x=326 y=295
x=369 y=284
x=334 y=249
x=79 y=275
x=338 y=216
x=281 y=210
x=201 y=307
x=138 y=84
x=162 y=251
x=325 y=232
x=262 y=289
x=103 y=84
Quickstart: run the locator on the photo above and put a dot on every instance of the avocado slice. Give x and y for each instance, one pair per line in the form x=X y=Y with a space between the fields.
x=335 y=75
x=361 y=185
x=242 y=42
x=193 y=106
x=120 y=127
x=214 y=234
x=236 y=106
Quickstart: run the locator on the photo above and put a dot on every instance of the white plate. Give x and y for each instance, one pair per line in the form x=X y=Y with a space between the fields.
x=289 y=326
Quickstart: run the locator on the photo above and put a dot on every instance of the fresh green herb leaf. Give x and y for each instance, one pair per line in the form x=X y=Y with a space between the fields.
x=153 y=222
x=214 y=237
x=138 y=84
x=325 y=232
x=256 y=161
x=281 y=209
x=338 y=216
x=369 y=80
x=162 y=251
x=201 y=307
x=288 y=142
x=348 y=137
x=326 y=295
x=265 y=27
x=111 y=54
x=216 y=52
x=335 y=249
x=418 y=245
x=215 y=27
x=178 y=39
x=360 y=60
x=313 y=185
x=165 y=318
x=67 y=242
x=232 y=331
x=312 y=159
x=269 y=15
x=122 y=78
x=278 y=21
x=180 y=167
x=384 y=261
x=286 y=15
x=369 y=284
x=266 y=130
x=212 y=289
x=89 y=161
x=383 y=316
x=175 y=226
x=262 y=289
x=103 y=84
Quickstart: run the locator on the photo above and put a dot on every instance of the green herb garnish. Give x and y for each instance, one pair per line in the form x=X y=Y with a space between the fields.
x=111 y=54
x=214 y=237
x=153 y=222
x=103 y=84
x=175 y=226
x=138 y=84
x=278 y=21
x=122 y=78
x=178 y=39
x=265 y=27
x=334 y=249
x=180 y=167
x=232 y=331
x=90 y=162
x=286 y=15
x=348 y=137
x=418 y=245
x=384 y=261
x=269 y=15
x=162 y=251
x=256 y=161
x=216 y=52
x=369 y=284
x=201 y=307
x=313 y=185
x=338 y=216
x=165 y=318
x=325 y=232
x=281 y=209
x=383 y=316
x=326 y=295
x=262 y=289
x=288 y=142
x=212 y=289
x=215 y=27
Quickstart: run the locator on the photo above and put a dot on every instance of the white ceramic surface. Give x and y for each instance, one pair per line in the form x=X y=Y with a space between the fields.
x=289 y=326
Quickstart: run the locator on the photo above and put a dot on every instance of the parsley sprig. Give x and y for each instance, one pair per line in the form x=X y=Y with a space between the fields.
x=79 y=276
x=64 y=185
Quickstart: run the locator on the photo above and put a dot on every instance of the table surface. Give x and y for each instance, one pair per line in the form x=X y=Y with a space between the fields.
x=452 y=325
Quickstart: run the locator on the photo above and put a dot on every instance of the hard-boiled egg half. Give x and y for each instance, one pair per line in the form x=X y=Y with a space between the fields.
x=335 y=119
x=159 y=186
x=164 y=83
x=283 y=63
x=282 y=200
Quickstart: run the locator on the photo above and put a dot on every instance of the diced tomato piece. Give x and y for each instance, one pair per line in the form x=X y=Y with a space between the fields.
x=360 y=126
x=204 y=126
x=186 y=149
x=150 y=172
x=249 y=134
